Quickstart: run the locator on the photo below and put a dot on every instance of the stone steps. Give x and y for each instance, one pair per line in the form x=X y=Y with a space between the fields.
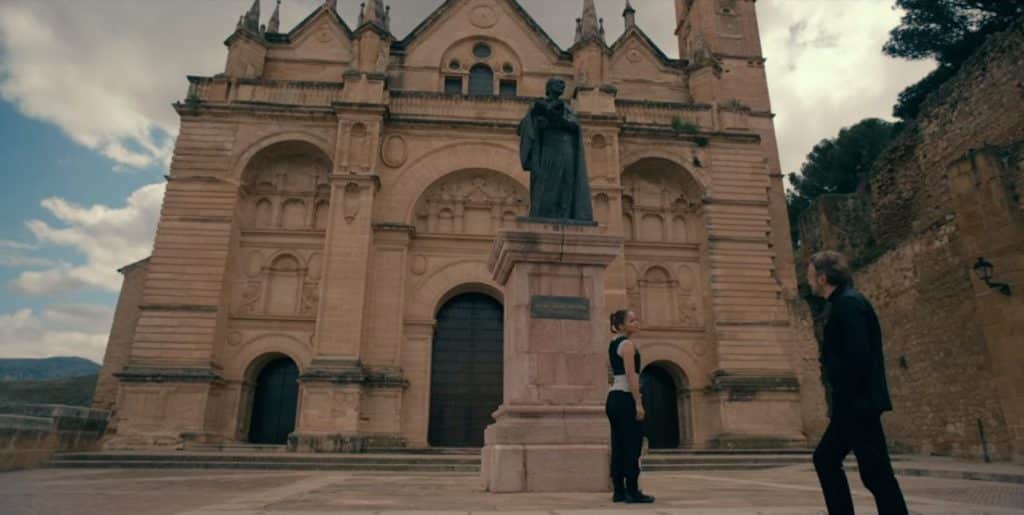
x=447 y=460
x=233 y=447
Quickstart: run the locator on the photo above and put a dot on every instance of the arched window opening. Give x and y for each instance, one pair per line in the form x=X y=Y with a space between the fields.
x=481 y=80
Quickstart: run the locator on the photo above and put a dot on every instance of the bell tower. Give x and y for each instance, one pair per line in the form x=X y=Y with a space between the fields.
x=721 y=41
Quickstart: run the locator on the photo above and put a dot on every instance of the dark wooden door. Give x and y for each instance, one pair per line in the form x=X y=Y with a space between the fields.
x=274 y=403
x=466 y=371
x=661 y=403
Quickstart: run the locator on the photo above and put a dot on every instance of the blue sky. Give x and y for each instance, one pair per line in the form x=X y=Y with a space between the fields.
x=87 y=128
x=39 y=161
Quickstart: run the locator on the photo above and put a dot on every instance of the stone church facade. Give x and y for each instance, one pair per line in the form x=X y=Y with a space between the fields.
x=319 y=274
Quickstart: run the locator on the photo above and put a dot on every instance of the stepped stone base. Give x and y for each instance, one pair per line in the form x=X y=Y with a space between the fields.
x=320 y=443
x=547 y=449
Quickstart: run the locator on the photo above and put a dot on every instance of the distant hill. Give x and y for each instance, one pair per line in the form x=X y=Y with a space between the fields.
x=49 y=368
x=71 y=391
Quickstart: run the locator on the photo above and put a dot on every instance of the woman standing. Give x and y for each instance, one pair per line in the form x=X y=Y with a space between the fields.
x=625 y=410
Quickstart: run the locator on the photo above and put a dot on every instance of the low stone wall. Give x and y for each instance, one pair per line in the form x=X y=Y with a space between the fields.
x=31 y=433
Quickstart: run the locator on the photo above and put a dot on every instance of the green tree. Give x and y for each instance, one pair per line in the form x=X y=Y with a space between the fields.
x=948 y=31
x=837 y=165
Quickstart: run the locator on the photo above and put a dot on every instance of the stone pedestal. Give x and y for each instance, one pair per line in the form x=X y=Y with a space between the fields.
x=550 y=433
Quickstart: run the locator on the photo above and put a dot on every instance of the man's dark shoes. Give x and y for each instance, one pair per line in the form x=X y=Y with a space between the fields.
x=638 y=497
x=619 y=496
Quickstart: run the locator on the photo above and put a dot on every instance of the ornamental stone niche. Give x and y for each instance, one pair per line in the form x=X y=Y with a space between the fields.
x=659 y=203
x=284 y=205
x=471 y=202
x=285 y=188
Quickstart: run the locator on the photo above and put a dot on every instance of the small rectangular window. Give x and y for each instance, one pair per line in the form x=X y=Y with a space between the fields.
x=507 y=88
x=453 y=85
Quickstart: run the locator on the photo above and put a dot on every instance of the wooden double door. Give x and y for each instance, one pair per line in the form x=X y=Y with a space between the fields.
x=467 y=370
x=274 y=402
x=661 y=404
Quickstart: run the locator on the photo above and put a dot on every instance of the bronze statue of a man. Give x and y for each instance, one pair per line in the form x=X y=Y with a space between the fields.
x=551 y=149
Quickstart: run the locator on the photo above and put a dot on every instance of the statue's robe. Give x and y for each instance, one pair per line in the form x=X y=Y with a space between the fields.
x=552 y=151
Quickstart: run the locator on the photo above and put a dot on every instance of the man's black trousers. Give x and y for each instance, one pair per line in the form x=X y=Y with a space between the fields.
x=627 y=438
x=859 y=431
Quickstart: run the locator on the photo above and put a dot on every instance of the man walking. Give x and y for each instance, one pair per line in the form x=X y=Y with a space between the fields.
x=855 y=372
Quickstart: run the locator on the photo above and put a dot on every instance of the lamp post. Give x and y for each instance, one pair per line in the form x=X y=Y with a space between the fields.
x=983 y=269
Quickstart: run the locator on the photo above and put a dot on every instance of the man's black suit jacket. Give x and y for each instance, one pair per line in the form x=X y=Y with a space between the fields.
x=852 y=355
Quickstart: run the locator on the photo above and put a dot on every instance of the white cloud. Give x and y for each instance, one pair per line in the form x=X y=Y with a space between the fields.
x=826 y=72
x=15 y=254
x=61 y=331
x=15 y=245
x=91 y=318
x=108 y=237
x=16 y=261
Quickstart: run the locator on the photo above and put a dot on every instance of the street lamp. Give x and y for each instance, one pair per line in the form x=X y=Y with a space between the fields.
x=983 y=269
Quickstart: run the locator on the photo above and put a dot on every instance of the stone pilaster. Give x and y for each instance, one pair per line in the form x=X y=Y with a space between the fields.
x=331 y=391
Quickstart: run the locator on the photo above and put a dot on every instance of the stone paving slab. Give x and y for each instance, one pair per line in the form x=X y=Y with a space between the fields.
x=181 y=492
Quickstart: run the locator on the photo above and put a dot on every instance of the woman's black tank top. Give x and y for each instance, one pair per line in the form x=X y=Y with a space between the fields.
x=618 y=364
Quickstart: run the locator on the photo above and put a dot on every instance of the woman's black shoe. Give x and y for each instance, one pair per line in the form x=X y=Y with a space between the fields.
x=638 y=497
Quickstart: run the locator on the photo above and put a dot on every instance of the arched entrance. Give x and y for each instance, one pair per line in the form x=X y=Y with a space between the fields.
x=666 y=407
x=467 y=370
x=274 y=402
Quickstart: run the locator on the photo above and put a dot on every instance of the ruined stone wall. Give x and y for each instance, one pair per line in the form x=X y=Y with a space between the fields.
x=937 y=361
x=981 y=106
x=910 y=259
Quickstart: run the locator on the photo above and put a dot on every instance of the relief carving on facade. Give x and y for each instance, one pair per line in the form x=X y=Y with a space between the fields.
x=287 y=192
x=600 y=159
x=472 y=202
x=310 y=298
x=358 y=148
x=483 y=16
x=252 y=295
x=284 y=287
x=351 y=201
x=662 y=300
x=656 y=209
x=394 y=151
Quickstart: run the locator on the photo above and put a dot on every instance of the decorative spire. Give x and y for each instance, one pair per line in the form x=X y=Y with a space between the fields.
x=274 y=25
x=579 y=30
x=629 y=14
x=251 y=20
x=374 y=12
x=331 y=4
x=589 y=24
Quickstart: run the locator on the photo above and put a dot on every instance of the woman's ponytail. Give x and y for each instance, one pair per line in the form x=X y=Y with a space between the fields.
x=618 y=319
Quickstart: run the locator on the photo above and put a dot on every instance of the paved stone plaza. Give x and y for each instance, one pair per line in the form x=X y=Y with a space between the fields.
x=790 y=490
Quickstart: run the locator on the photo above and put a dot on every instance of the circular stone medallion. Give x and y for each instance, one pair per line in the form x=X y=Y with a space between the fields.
x=419 y=265
x=394 y=151
x=483 y=16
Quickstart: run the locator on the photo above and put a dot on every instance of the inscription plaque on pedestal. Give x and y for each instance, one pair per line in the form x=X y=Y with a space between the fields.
x=559 y=308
